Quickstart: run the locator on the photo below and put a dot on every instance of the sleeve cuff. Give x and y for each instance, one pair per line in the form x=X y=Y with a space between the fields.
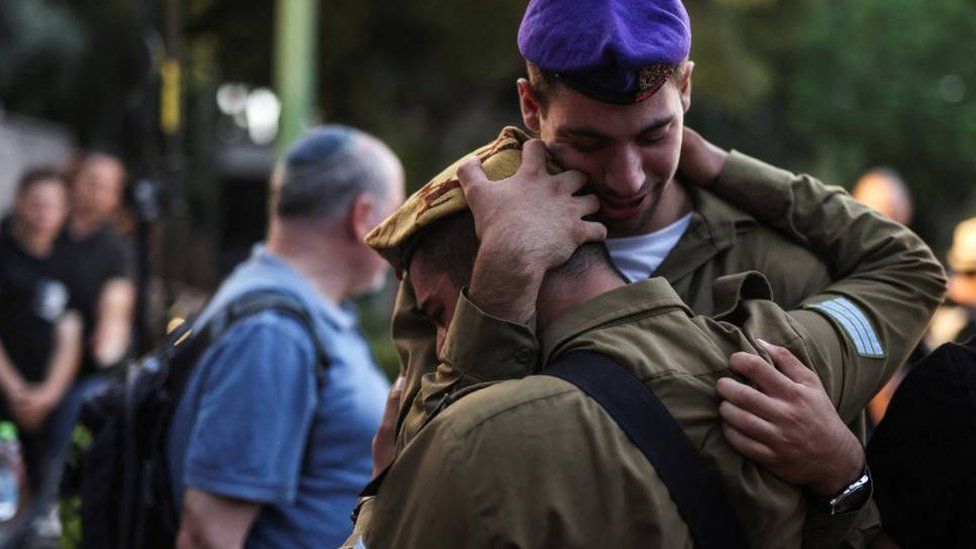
x=489 y=348
x=851 y=530
x=240 y=488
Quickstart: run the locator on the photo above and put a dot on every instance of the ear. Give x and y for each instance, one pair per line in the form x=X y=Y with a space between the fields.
x=531 y=110
x=359 y=220
x=685 y=89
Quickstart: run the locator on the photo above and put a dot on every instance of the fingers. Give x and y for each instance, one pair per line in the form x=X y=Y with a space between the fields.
x=471 y=174
x=769 y=380
x=571 y=181
x=591 y=231
x=533 y=156
x=586 y=204
x=747 y=446
x=746 y=422
x=787 y=363
x=748 y=398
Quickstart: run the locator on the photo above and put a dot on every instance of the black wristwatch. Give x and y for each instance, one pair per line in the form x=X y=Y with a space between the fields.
x=853 y=497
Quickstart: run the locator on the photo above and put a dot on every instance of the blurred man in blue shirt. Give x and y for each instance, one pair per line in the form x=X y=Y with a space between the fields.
x=262 y=452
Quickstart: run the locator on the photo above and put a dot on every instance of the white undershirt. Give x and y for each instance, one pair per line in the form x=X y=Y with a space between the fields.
x=638 y=257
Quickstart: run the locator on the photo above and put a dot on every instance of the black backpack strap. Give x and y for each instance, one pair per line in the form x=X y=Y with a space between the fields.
x=693 y=484
x=190 y=344
x=259 y=301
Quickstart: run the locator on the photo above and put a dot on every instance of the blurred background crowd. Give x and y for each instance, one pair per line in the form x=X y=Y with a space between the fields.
x=164 y=117
x=195 y=97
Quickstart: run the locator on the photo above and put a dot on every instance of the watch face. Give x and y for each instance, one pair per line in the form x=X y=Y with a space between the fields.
x=854 y=497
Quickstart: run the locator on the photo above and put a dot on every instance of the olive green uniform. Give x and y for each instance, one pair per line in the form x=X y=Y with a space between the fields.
x=535 y=463
x=721 y=239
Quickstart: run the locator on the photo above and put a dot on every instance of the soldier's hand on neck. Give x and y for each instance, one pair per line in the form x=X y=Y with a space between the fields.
x=701 y=162
x=526 y=224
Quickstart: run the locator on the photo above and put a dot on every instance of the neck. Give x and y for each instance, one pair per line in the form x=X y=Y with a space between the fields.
x=83 y=224
x=560 y=293
x=311 y=251
x=34 y=244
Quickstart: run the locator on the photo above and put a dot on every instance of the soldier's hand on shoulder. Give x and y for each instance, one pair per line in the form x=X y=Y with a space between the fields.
x=786 y=422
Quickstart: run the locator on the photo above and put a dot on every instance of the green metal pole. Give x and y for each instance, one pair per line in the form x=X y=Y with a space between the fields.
x=296 y=63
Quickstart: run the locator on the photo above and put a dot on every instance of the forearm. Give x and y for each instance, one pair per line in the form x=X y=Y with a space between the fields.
x=504 y=285
x=67 y=355
x=855 y=243
x=214 y=522
x=10 y=378
x=888 y=273
x=113 y=329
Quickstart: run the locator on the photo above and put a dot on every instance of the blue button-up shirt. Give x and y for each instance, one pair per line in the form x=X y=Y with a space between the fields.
x=255 y=424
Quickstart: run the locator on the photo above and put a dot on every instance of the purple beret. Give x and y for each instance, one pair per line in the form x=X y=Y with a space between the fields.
x=616 y=51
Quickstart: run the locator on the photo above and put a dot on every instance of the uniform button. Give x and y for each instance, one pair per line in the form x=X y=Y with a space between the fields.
x=523 y=356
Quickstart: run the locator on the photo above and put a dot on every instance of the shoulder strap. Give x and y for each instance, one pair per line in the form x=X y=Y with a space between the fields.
x=693 y=485
x=191 y=343
x=259 y=301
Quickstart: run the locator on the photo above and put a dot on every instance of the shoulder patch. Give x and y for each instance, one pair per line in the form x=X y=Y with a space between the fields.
x=853 y=322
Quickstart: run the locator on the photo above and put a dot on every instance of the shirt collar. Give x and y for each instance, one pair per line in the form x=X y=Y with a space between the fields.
x=713 y=228
x=633 y=299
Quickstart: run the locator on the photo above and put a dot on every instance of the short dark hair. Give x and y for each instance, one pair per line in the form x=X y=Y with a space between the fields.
x=452 y=243
x=544 y=83
x=327 y=169
x=36 y=175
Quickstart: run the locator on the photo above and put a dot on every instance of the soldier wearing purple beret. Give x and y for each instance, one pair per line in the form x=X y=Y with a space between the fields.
x=608 y=84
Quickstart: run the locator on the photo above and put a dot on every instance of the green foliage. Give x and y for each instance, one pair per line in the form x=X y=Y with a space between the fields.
x=890 y=82
x=826 y=86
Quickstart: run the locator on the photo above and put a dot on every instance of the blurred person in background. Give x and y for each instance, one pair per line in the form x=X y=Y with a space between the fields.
x=40 y=338
x=884 y=190
x=922 y=454
x=956 y=320
x=260 y=451
x=103 y=261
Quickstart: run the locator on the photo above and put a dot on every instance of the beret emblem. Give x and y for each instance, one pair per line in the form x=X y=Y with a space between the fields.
x=651 y=78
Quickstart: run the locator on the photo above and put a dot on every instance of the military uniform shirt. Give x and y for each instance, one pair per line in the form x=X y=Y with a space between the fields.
x=536 y=463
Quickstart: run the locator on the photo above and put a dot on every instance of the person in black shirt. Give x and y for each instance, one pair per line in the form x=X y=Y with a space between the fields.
x=103 y=289
x=40 y=339
x=922 y=454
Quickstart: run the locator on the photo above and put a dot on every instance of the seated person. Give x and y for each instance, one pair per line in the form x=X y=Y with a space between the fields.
x=40 y=339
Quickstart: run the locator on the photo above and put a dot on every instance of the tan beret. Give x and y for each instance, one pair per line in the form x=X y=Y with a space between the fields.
x=962 y=254
x=442 y=196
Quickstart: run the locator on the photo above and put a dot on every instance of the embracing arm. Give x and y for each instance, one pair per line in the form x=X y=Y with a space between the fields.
x=526 y=225
x=888 y=282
